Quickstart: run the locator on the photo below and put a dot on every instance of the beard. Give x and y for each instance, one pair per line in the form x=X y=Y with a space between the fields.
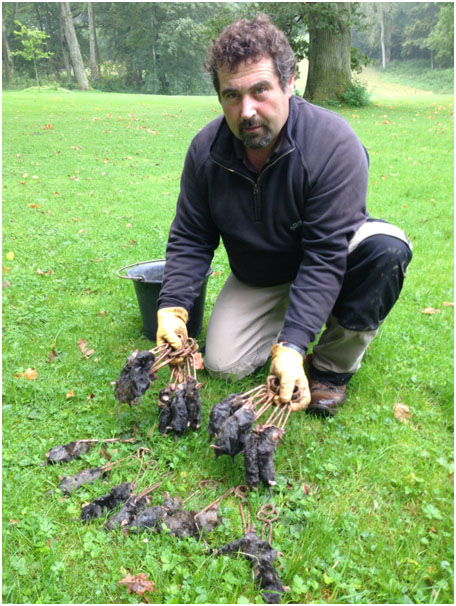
x=256 y=140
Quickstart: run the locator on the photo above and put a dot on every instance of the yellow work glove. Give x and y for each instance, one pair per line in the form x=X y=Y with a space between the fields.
x=172 y=326
x=287 y=366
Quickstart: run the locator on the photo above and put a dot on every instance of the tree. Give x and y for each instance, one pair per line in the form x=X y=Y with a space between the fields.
x=158 y=47
x=329 y=73
x=73 y=45
x=64 y=46
x=320 y=31
x=384 y=10
x=7 y=58
x=32 y=46
x=441 y=37
x=94 y=60
x=376 y=36
x=423 y=17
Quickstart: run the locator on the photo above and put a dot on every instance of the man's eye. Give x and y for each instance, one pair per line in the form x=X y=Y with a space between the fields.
x=260 y=91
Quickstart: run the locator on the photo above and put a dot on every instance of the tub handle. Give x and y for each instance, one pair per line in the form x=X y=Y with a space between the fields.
x=139 y=278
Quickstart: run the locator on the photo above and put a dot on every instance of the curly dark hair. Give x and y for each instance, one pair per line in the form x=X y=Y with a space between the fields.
x=246 y=40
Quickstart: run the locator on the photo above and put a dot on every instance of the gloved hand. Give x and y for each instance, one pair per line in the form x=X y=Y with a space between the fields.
x=172 y=326
x=287 y=365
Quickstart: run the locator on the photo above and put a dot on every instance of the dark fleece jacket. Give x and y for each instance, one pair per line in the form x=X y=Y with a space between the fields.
x=290 y=223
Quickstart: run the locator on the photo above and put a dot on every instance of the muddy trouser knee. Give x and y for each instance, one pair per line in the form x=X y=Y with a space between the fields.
x=245 y=322
x=376 y=267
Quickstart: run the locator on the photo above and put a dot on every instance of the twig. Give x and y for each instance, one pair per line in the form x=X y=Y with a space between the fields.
x=108 y=440
x=145 y=492
x=223 y=496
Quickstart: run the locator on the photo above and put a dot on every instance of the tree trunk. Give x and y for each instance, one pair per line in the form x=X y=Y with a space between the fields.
x=73 y=45
x=385 y=32
x=329 y=55
x=66 y=61
x=382 y=40
x=6 y=57
x=94 y=70
x=36 y=72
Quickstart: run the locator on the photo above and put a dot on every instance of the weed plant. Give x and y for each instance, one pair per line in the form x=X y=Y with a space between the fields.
x=90 y=182
x=356 y=95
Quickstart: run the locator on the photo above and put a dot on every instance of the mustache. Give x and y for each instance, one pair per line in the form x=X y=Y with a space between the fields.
x=251 y=123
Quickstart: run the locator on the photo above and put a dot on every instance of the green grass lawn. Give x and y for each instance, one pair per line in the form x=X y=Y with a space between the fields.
x=90 y=183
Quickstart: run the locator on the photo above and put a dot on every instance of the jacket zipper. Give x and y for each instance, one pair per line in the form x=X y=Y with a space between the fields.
x=256 y=204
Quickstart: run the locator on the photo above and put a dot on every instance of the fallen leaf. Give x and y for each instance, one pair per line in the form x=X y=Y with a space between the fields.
x=12 y=521
x=82 y=344
x=306 y=488
x=53 y=354
x=6 y=283
x=430 y=311
x=5 y=269
x=402 y=412
x=10 y=256
x=49 y=272
x=30 y=374
x=104 y=453
x=91 y=396
x=448 y=304
x=70 y=394
x=138 y=584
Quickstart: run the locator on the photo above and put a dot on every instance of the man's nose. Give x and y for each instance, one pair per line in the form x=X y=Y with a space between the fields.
x=248 y=109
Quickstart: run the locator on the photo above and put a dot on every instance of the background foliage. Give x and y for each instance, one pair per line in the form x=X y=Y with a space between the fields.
x=159 y=47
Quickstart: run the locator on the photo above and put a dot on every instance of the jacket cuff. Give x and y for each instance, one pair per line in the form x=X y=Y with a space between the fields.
x=300 y=350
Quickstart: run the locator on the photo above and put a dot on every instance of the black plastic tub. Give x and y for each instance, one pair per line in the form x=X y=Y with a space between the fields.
x=147 y=279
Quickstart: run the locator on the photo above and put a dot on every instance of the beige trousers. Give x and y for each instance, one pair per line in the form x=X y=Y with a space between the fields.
x=246 y=321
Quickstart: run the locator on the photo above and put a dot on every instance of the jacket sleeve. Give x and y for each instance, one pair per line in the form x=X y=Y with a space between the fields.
x=334 y=206
x=193 y=237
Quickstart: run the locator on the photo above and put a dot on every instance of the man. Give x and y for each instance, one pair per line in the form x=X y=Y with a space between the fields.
x=283 y=183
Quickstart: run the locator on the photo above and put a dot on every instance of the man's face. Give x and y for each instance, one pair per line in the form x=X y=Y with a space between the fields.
x=254 y=103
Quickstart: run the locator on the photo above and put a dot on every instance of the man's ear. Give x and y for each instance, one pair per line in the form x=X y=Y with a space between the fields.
x=291 y=83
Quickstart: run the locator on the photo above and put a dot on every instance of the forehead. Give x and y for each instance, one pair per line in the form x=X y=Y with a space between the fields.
x=247 y=73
